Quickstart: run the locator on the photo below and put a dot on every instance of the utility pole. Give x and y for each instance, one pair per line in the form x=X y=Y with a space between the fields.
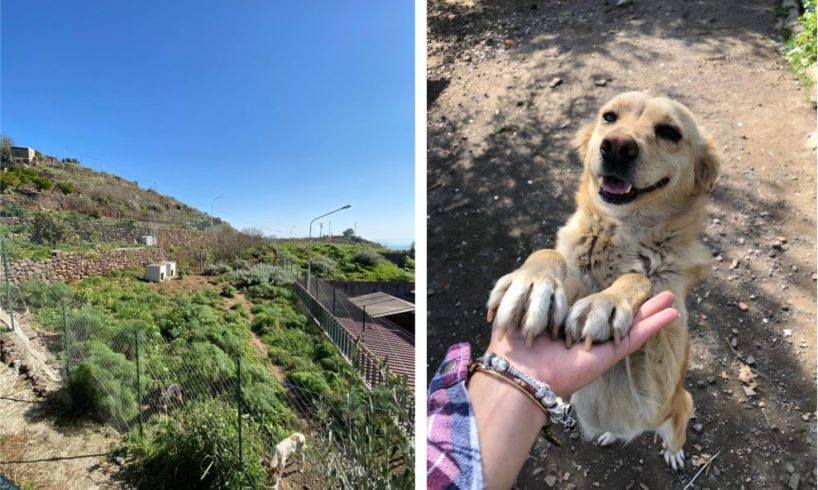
x=321 y=230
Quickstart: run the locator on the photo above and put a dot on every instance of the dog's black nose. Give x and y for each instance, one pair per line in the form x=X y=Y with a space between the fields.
x=618 y=149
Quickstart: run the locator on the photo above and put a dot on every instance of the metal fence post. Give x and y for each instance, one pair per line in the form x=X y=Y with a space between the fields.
x=138 y=385
x=363 y=330
x=238 y=408
x=8 y=281
x=333 y=301
x=65 y=345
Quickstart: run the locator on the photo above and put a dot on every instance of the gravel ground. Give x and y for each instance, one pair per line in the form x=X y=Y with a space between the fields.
x=510 y=83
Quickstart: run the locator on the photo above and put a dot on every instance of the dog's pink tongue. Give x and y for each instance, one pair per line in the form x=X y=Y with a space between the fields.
x=615 y=186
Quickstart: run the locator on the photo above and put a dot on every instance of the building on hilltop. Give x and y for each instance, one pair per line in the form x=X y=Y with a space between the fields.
x=23 y=155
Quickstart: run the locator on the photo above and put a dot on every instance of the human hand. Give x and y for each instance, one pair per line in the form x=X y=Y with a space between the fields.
x=568 y=370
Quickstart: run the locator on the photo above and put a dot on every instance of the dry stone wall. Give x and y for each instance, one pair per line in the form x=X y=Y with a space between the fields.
x=74 y=266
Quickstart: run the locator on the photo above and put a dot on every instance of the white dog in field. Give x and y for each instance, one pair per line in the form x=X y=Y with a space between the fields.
x=294 y=444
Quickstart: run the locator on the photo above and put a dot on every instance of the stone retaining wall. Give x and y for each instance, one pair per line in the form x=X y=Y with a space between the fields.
x=73 y=266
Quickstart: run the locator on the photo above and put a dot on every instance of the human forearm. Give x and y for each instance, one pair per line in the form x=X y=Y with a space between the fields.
x=508 y=423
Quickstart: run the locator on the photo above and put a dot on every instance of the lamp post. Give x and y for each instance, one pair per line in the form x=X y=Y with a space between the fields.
x=212 y=203
x=309 y=243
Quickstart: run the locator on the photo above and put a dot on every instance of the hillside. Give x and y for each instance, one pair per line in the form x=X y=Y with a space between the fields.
x=68 y=187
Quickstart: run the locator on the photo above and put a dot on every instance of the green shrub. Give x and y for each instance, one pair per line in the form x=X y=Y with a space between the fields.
x=229 y=291
x=104 y=384
x=801 y=48
x=323 y=266
x=311 y=381
x=217 y=269
x=368 y=257
x=48 y=229
x=12 y=210
x=200 y=448
x=66 y=187
x=42 y=183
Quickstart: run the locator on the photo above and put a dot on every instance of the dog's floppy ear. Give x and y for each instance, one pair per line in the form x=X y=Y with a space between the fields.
x=582 y=139
x=294 y=438
x=708 y=164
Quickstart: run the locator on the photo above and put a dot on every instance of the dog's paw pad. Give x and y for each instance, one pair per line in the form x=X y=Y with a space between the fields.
x=674 y=459
x=606 y=439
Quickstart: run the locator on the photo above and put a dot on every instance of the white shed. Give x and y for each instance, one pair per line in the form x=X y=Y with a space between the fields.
x=149 y=240
x=170 y=268
x=156 y=272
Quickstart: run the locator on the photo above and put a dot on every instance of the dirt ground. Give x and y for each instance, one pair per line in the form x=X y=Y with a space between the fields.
x=501 y=178
x=38 y=450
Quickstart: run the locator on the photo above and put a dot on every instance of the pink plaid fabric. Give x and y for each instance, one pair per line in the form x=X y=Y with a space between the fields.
x=453 y=450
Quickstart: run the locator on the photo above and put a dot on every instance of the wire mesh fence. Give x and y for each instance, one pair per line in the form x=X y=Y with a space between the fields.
x=157 y=375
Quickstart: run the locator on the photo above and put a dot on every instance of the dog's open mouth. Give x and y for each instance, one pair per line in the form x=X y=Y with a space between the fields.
x=615 y=190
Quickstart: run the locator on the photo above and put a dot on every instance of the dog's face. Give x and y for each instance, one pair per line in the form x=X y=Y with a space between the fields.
x=298 y=439
x=645 y=149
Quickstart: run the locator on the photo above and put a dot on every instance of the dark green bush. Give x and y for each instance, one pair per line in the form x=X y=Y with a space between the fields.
x=197 y=449
x=66 y=187
x=12 y=210
x=229 y=291
x=48 y=229
x=311 y=381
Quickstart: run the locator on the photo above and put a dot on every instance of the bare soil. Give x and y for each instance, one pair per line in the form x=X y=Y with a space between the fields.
x=501 y=178
x=42 y=451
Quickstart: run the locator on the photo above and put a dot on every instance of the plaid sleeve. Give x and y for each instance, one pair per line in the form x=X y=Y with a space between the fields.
x=453 y=450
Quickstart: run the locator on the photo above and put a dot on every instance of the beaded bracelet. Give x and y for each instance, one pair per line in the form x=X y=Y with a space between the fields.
x=541 y=393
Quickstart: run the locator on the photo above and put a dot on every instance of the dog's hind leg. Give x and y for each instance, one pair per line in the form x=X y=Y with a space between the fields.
x=674 y=428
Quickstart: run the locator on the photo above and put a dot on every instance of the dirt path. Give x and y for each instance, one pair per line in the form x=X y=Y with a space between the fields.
x=501 y=181
x=37 y=450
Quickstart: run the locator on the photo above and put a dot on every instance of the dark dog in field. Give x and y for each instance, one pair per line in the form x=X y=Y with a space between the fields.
x=161 y=399
x=169 y=395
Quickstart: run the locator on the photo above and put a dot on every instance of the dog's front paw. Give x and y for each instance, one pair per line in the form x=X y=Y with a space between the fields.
x=597 y=318
x=674 y=459
x=529 y=300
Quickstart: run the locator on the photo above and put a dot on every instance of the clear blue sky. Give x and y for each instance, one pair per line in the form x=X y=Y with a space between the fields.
x=287 y=109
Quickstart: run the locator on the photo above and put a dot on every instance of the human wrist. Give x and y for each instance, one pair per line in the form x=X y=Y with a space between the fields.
x=529 y=360
x=489 y=392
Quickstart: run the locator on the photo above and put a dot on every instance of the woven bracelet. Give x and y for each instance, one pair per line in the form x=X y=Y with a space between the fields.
x=558 y=411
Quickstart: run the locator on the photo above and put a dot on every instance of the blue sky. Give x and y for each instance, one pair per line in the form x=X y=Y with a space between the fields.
x=287 y=109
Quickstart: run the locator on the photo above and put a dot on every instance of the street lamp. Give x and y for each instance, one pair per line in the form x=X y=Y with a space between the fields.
x=309 y=243
x=212 y=203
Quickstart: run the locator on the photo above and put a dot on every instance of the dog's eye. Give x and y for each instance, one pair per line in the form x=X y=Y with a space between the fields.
x=609 y=117
x=668 y=132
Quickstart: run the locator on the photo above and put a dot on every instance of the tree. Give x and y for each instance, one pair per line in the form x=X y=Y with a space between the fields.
x=349 y=233
x=253 y=232
x=5 y=146
x=48 y=229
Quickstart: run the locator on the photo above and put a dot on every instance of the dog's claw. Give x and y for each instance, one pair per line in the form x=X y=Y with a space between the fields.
x=606 y=439
x=490 y=315
x=616 y=337
x=568 y=342
x=674 y=460
x=589 y=341
x=555 y=330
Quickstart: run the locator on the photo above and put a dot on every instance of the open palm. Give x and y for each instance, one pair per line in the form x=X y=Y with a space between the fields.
x=568 y=370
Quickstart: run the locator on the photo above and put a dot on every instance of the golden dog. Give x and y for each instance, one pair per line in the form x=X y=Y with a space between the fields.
x=648 y=169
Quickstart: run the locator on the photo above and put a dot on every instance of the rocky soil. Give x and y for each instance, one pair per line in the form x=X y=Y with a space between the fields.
x=510 y=83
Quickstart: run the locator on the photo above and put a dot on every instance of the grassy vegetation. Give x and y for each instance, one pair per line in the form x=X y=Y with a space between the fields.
x=42 y=232
x=801 y=47
x=194 y=339
x=335 y=260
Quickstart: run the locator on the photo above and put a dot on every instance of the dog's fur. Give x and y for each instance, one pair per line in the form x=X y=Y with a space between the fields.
x=292 y=445
x=169 y=395
x=611 y=257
